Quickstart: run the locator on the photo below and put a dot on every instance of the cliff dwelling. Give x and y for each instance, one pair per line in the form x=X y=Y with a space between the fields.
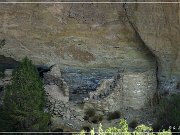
x=109 y=57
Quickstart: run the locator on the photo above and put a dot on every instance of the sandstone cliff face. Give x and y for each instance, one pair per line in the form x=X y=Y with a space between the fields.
x=73 y=35
x=80 y=35
x=158 y=27
x=83 y=39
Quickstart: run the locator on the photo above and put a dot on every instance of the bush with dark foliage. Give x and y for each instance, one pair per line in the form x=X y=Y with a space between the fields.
x=169 y=113
x=114 y=115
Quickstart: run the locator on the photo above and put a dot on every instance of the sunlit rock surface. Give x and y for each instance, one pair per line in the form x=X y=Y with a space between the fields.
x=158 y=27
x=89 y=43
x=93 y=39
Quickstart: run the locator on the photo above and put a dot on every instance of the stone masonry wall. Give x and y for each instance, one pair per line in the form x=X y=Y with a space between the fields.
x=133 y=89
x=138 y=89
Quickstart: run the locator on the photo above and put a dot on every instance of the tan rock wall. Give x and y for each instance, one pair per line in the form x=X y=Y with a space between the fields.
x=80 y=35
x=158 y=27
x=138 y=89
x=96 y=36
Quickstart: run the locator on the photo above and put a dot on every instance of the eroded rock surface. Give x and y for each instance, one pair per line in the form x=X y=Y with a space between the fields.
x=75 y=35
x=130 y=89
x=158 y=27
x=89 y=43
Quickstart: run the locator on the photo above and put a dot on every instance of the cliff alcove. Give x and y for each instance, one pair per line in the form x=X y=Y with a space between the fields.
x=109 y=56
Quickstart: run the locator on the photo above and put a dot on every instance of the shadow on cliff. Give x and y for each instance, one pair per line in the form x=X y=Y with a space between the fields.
x=10 y=63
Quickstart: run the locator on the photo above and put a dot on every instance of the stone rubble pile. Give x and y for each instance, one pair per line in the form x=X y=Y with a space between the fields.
x=57 y=93
x=52 y=80
x=105 y=88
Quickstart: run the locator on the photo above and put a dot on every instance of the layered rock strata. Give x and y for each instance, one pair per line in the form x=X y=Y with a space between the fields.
x=92 y=42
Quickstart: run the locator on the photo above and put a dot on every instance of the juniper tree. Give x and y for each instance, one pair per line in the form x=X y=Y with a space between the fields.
x=24 y=101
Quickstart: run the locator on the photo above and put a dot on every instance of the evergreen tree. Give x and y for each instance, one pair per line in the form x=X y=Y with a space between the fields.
x=24 y=101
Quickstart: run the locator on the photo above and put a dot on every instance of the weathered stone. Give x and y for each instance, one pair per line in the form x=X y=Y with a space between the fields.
x=103 y=89
x=56 y=93
x=158 y=27
x=68 y=37
x=91 y=42
x=132 y=89
x=8 y=72
x=80 y=118
x=136 y=91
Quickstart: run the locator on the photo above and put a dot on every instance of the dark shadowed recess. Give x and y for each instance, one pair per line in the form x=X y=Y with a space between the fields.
x=83 y=80
x=8 y=62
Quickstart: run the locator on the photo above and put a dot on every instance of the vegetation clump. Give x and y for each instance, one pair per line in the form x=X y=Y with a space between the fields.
x=169 y=112
x=123 y=129
x=24 y=101
x=91 y=116
x=114 y=115
x=96 y=119
x=86 y=128
x=133 y=124
x=90 y=112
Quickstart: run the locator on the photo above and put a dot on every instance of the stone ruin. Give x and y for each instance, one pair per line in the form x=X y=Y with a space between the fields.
x=56 y=87
x=128 y=89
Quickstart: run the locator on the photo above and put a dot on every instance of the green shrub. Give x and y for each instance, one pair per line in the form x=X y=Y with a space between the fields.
x=133 y=124
x=86 y=118
x=24 y=101
x=122 y=129
x=114 y=115
x=169 y=113
x=96 y=119
x=90 y=112
x=86 y=128
x=91 y=116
